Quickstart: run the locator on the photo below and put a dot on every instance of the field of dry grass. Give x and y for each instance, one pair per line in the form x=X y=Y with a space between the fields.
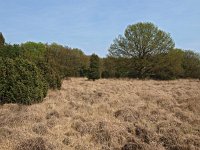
x=108 y=115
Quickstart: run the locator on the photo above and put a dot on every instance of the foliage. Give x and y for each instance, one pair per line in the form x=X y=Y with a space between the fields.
x=20 y=82
x=141 y=40
x=67 y=61
x=109 y=67
x=11 y=51
x=191 y=64
x=33 y=51
x=105 y=74
x=2 y=40
x=168 y=66
x=116 y=67
x=29 y=69
x=94 y=70
x=50 y=75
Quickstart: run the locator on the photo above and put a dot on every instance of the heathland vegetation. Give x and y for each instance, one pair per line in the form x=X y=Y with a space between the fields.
x=107 y=114
x=29 y=69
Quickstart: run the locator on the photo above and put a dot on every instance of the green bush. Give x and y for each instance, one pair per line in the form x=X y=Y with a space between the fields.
x=167 y=66
x=50 y=75
x=10 y=51
x=105 y=74
x=94 y=70
x=191 y=64
x=21 y=82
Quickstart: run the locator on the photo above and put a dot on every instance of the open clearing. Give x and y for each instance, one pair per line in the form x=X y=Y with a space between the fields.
x=107 y=114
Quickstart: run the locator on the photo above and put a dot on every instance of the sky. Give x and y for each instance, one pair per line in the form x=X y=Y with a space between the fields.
x=92 y=25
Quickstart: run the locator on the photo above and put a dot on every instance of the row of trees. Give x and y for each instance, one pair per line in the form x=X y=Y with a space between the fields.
x=173 y=65
x=29 y=69
x=145 y=51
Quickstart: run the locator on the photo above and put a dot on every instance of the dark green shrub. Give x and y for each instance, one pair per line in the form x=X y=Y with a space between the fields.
x=133 y=73
x=83 y=72
x=167 y=66
x=2 y=40
x=10 y=51
x=105 y=74
x=191 y=64
x=93 y=74
x=50 y=75
x=21 y=82
x=94 y=70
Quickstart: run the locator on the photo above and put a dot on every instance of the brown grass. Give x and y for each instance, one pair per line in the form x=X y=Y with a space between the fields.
x=109 y=115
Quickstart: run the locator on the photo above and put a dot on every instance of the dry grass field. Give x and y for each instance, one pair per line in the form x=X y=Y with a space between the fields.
x=107 y=115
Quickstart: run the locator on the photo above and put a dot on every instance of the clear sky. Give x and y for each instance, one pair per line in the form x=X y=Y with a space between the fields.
x=91 y=25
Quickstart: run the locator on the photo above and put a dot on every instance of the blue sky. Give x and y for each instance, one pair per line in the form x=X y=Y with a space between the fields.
x=91 y=25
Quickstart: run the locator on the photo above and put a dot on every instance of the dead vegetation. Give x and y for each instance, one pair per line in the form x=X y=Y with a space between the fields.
x=107 y=115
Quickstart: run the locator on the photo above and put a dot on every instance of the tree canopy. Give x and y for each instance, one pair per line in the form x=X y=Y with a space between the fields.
x=141 y=40
x=141 y=43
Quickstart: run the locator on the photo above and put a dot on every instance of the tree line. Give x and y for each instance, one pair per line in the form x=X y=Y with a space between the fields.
x=145 y=51
x=29 y=69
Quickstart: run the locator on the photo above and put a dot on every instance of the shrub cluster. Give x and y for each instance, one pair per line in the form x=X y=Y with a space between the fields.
x=28 y=70
x=175 y=64
x=50 y=75
x=21 y=82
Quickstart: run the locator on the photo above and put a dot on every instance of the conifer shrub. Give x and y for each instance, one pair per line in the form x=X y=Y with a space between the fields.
x=94 y=70
x=21 y=82
x=50 y=75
